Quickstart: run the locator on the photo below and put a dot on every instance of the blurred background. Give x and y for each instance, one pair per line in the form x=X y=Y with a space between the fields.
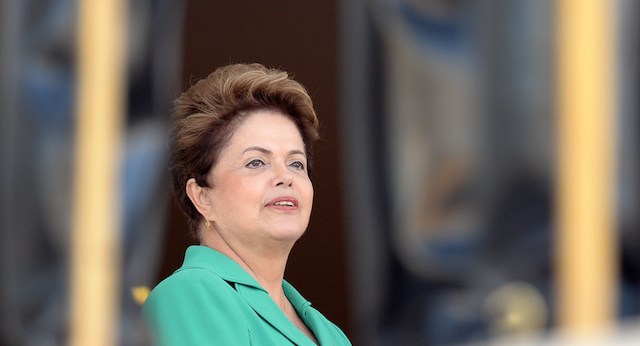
x=433 y=221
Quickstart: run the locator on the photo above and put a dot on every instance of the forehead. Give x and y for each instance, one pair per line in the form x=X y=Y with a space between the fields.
x=266 y=125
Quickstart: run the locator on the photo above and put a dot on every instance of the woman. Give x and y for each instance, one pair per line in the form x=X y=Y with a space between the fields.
x=241 y=151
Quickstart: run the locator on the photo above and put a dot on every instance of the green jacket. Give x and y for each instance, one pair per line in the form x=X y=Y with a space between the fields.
x=211 y=300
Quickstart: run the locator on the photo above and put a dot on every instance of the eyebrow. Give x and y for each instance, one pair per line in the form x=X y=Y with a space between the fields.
x=269 y=152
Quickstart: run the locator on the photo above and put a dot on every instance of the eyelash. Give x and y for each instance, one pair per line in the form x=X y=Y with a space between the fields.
x=256 y=163
x=298 y=165
x=252 y=163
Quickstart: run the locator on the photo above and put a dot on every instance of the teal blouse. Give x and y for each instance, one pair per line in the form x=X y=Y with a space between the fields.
x=211 y=300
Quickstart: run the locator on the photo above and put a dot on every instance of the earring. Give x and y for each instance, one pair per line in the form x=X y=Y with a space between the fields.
x=207 y=224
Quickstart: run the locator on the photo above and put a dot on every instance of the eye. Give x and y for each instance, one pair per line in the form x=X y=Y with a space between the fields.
x=297 y=165
x=256 y=163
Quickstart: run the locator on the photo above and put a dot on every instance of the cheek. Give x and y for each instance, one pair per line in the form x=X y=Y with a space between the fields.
x=247 y=192
x=309 y=192
x=232 y=192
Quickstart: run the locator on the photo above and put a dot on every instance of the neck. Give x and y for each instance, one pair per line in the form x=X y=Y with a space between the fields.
x=266 y=265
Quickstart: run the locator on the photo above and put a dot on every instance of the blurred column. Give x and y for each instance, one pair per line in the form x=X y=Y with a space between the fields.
x=96 y=250
x=10 y=148
x=586 y=101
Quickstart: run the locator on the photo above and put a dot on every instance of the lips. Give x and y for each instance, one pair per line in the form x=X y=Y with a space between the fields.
x=284 y=202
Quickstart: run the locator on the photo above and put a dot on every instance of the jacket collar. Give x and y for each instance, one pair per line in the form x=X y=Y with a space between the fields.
x=198 y=256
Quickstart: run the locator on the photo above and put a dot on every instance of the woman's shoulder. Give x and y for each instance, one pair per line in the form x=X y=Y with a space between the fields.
x=192 y=305
x=197 y=282
x=191 y=289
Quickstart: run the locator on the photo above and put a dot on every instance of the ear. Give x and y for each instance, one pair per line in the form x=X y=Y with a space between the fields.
x=200 y=198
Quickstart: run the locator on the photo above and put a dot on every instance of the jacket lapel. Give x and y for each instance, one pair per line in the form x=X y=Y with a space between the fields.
x=264 y=306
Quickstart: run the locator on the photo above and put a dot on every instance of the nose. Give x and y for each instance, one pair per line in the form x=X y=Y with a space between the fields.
x=283 y=176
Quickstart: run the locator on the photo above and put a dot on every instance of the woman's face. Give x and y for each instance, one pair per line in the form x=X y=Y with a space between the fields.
x=261 y=192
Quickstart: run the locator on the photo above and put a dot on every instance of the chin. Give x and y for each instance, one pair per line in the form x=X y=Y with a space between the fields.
x=289 y=234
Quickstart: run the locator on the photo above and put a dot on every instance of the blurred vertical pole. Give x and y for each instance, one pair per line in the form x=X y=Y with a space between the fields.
x=96 y=220
x=11 y=149
x=586 y=101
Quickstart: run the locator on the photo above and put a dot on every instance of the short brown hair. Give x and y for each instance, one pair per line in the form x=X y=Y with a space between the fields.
x=207 y=114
